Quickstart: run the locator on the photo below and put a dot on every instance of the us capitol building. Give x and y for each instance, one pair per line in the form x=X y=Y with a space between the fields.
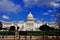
x=28 y=25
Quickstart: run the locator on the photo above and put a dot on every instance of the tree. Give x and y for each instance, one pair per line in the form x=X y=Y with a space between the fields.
x=45 y=27
x=12 y=28
x=1 y=25
x=17 y=28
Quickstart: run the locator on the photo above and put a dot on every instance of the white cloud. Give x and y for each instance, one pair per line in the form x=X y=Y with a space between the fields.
x=5 y=17
x=31 y=3
x=42 y=19
x=36 y=0
x=37 y=20
x=52 y=15
x=54 y=4
x=25 y=0
x=55 y=19
x=45 y=13
x=21 y=21
x=8 y=6
x=49 y=10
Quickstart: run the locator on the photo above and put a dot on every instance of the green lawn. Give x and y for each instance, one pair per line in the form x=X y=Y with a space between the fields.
x=34 y=33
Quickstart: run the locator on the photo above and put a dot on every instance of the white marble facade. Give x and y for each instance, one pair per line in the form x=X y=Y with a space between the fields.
x=29 y=24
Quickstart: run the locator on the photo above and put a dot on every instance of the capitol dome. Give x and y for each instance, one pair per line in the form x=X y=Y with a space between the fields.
x=30 y=16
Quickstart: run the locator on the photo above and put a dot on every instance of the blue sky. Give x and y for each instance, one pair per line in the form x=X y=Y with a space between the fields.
x=17 y=10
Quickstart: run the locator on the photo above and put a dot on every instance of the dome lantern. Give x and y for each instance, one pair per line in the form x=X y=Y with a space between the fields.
x=30 y=15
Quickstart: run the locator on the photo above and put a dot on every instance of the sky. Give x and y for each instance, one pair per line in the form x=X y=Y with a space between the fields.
x=17 y=10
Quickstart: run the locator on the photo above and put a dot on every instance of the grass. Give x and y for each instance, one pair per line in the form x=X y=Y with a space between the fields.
x=33 y=33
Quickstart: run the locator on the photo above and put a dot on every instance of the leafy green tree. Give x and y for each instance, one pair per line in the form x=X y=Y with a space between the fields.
x=17 y=28
x=45 y=27
x=1 y=25
x=12 y=28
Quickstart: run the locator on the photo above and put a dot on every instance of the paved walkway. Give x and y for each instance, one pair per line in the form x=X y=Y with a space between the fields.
x=30 y=38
